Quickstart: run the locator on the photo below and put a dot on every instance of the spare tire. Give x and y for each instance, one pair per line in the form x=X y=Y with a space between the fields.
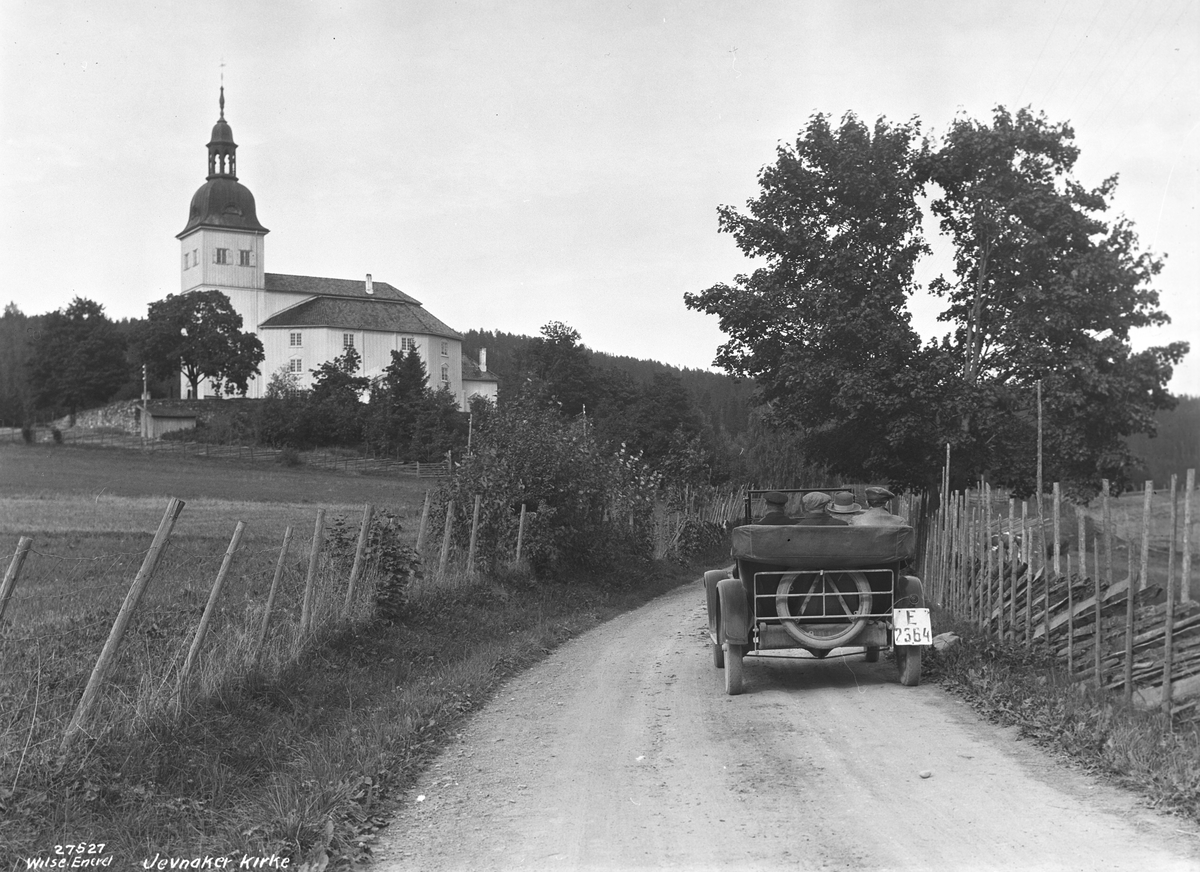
x=848 y=592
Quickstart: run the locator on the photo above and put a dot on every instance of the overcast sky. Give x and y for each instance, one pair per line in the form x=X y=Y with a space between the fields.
x=513 y=163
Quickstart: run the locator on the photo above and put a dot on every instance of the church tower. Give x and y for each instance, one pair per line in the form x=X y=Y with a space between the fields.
x=222 y=244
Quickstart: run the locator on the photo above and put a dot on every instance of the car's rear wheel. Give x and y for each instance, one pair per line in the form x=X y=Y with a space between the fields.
x=733 y=669
x=837 y=604
x=908 y=661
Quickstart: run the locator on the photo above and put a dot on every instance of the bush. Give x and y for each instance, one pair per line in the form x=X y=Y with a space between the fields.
x=28 y=434
x=395 y=564
x=57 y=435
x=288 y=456
x=585 y=508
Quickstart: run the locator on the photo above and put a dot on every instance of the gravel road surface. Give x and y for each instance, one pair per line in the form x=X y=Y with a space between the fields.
x=621 y=751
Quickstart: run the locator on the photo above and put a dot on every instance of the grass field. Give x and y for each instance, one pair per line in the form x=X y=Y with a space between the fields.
x=300 y=757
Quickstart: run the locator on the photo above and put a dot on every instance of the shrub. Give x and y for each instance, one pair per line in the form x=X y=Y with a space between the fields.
x=28 y=434
x=56 y=434
x=394 y=563
x=588 y=508
x=288 y=456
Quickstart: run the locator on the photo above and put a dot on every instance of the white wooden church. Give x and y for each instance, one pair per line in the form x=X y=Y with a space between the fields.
x=304 y=321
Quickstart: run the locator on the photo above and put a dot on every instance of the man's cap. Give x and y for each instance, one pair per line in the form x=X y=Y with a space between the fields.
x=879 y=494
x=843 y=504
x=815 y=501
x=775 y=498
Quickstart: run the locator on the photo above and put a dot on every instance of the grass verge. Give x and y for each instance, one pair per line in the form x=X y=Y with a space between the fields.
x=306 y=764
x=1013 y=686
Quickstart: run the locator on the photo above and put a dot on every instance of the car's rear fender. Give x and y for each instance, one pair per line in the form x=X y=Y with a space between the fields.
x=734 y=614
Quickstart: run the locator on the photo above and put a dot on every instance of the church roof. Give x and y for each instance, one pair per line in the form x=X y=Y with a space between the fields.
x=472 y=372
x=364 y=313
x=314 y=286
x=225 y=203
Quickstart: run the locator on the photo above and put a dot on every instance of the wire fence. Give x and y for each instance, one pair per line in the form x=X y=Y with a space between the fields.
x=84 y=651
x=1106 y=585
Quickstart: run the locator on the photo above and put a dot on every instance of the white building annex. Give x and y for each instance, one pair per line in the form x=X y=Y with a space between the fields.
x=304 y=321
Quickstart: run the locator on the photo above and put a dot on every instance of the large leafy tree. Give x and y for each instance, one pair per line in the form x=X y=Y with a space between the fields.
x=822 y=324
x=1042 y=289
x=558 y=371
x=199 y=334
x=77 y=358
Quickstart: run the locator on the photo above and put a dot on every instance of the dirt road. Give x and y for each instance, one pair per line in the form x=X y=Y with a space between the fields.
x=621 y=751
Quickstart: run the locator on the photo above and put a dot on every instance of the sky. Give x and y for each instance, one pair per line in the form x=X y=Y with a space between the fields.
x=514 y=163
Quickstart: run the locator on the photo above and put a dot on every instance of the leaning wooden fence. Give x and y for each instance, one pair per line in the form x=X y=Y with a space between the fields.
x=1106 y=585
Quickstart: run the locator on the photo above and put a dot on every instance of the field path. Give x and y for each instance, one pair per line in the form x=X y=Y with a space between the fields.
x=621 y=751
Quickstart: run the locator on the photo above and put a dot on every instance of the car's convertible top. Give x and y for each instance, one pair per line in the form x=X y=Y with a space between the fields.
x=843 y=547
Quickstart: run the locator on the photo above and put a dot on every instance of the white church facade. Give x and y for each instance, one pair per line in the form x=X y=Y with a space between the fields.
x=304 y=321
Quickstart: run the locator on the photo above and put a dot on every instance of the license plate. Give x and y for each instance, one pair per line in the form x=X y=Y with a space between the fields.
x=911 y=627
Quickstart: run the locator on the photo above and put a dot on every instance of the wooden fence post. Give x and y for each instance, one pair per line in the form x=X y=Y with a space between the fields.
x=1185 y=571
x=214 y=595
x=445 y=555
x=1098 y=670
x=14 y=572
x=1026 y=532
x=364 y=534
x=471 y=546
x=521 y=532
x=1169 y=618
x=991 y=561
x=124 y=616
x=1012 y=570
x=1134 y=585
x=1082 y=534
x=266 y=621
x=424 y=522
x=310 y=580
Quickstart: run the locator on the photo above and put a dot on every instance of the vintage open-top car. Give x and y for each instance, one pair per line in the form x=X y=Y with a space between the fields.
x=817 y=588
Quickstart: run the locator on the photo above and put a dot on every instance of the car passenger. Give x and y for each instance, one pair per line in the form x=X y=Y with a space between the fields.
x=814 y=511
x=877 y=514
x=843 y=507
x=776 y=502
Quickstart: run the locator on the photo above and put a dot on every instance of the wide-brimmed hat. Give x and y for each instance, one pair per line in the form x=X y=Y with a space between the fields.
x=815 y=501
x=775 y=498
x=843 y=504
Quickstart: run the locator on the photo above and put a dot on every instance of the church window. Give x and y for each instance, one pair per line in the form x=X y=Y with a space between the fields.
x=195 y=256
x=221 y=255
x=445 y=348
x=185 y=260
x=296 y=364
x=445 y=373
x=294 y=340
x=244 y=257
x=407 y=344
x=347 y=340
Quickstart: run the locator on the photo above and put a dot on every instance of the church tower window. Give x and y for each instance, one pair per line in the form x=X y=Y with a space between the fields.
x=221 y=255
